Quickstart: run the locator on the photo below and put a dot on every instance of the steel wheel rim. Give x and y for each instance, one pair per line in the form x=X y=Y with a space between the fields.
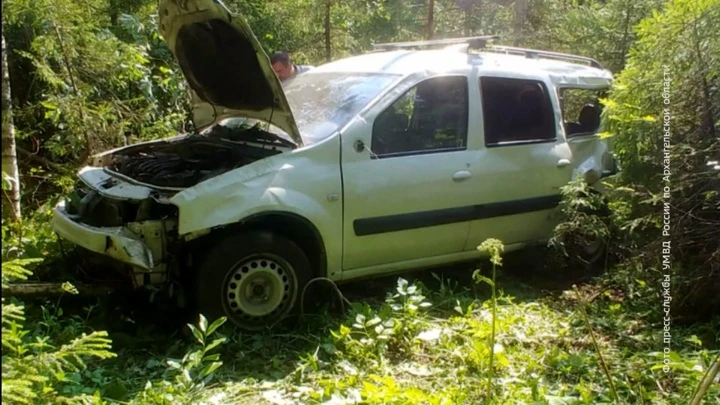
x=259 y=290
x=592 y=249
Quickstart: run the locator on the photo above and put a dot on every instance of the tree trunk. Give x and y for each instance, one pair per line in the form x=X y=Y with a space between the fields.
x=625 y=44
x=328 y=46
x=50 y=289
x=519 y=20
x=467 y=14
x=11 y=197
x=431 y=19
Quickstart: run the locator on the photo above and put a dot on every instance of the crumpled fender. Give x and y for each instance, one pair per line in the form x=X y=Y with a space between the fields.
x=595 y=161
x=305 y=182
x=204 y=211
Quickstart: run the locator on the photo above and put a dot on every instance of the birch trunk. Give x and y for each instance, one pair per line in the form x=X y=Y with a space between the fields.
x=11 y=197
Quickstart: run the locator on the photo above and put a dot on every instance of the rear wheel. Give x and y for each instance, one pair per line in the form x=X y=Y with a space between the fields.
x=593 y=250
x=255 y=279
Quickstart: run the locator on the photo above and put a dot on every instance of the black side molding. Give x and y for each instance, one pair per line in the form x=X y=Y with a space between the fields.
x=423 y=219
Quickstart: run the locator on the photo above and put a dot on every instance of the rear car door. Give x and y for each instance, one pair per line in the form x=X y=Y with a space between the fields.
x=525 y=159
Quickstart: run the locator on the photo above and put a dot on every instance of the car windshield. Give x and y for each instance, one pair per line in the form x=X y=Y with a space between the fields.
x=323 y=102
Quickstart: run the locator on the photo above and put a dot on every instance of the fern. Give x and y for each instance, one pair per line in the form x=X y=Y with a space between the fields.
x=32 y=367
x=15 y=270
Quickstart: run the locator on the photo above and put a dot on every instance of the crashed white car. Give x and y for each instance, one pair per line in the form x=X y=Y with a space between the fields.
x=398 y=159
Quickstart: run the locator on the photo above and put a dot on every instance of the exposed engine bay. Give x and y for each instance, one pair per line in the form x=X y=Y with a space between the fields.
x=188 y=160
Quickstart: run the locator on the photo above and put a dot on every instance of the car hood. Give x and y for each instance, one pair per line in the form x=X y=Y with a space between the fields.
x=229 y=73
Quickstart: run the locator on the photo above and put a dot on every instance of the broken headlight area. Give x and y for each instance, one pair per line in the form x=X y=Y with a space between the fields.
x=138 y=239
x=88 y=206
x=186 y=161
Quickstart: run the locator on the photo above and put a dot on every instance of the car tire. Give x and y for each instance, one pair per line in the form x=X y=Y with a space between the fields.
x=594 y=252
x=255 y=279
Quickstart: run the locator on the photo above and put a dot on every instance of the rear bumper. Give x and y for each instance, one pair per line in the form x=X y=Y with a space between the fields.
x=115 y=242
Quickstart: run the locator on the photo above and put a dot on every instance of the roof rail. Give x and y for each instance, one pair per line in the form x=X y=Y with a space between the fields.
x=472 y=42
x=535 y=54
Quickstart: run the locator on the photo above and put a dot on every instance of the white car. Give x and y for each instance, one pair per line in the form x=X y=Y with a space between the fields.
x=395 y=160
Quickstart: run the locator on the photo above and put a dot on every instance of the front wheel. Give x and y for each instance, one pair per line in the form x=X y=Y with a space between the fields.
x=255 y=279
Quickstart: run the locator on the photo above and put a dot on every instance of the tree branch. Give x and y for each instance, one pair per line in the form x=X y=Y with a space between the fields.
x=42 y=160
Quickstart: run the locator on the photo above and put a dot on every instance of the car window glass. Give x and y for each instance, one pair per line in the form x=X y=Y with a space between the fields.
x=322 y=103
x=581 y=110
x=516 y=110
x=430 y=117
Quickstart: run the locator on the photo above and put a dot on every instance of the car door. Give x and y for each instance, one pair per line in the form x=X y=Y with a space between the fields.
x=405 y=172
x=524 y=161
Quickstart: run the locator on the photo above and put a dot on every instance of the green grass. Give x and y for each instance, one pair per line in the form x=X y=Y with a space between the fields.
x=420 y=342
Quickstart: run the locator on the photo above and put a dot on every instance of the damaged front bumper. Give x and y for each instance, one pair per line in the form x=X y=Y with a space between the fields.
x=141 y=245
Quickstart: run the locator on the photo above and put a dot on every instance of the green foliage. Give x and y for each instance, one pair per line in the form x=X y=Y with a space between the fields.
x=98 y=86
x=394 y=327
x=32 y=237
x=33 y=369
x=493 y=248
x=84 y=81
x=185 y=378
x=583 y=221
x=603 y=30
x=16 y=270
x=677 y=48
x=542 y=354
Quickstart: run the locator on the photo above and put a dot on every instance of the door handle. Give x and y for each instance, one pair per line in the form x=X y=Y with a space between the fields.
x=461 y=175
x=359 y=146
x=563 y=163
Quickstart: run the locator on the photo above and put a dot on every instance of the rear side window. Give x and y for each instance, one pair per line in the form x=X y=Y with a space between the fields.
x=516 y=111
x=581 y=110
x=431 y=117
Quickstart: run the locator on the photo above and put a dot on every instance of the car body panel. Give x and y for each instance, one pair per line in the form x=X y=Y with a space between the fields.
x=521 y=180
x=406 y=62
x=380 y=192
x=115 y=242
x=306 y=182
x=109 y=186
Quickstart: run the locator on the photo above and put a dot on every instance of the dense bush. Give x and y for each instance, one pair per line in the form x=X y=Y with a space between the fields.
x=673 y=77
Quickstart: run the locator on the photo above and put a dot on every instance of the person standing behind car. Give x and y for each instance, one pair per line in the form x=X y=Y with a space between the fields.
x=284 y=68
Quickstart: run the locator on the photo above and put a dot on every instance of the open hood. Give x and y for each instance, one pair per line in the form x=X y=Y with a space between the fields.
x=224 y=64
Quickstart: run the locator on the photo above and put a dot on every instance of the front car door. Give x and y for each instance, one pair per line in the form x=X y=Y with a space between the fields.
x=405 y=176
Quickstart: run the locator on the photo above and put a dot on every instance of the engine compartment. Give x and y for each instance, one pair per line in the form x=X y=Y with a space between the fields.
x=188 y=160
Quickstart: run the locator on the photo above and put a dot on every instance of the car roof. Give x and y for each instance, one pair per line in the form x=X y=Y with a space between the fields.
x=457 y=60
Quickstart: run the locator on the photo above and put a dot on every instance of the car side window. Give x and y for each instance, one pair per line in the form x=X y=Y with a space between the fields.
x=430 y=117
x=581 y=110
x=516 y=111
